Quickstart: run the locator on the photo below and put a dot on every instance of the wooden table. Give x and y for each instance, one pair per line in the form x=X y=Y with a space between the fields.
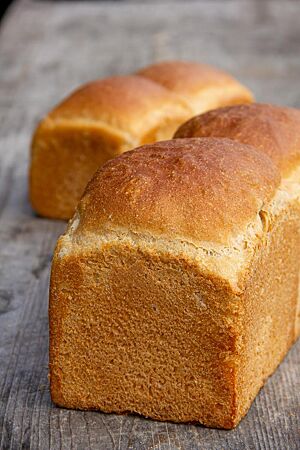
x=47 y=49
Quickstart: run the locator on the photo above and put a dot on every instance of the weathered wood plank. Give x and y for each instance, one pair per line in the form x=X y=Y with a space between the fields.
x=46 y=49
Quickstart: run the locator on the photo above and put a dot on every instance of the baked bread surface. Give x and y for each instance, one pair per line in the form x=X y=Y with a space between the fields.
x=201 y=86
x=96 y=123
x=107 y=117
x=174 y=290
x=156 y=188
x=273 y=130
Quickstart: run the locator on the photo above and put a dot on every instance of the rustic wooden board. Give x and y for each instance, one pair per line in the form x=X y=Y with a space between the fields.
x=46 y=49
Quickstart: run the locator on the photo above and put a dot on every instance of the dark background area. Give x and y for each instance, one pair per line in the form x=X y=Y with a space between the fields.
x=3 y=7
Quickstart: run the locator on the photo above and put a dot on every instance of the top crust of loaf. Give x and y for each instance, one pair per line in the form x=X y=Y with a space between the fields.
x=190 y=189
x=273 y=129
x=182 y=76
x=190 y=79
x=134 y=108
x=131 y=104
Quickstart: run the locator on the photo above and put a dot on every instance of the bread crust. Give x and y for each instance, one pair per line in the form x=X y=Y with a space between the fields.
x=150 y=313
x=201 y=86
x=130 y=104
x=157 y=186
x=274 y=130
x=107 y=117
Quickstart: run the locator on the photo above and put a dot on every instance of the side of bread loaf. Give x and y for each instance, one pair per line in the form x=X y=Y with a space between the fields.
x=96 y=123
x=107 y=117
x=273 y=130
x=174 y=290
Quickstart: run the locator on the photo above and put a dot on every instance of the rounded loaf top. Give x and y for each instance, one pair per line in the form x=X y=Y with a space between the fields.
x=275 y=130
x=204 y=87
x=183 y=76
x=191 y=189
x=130 y=103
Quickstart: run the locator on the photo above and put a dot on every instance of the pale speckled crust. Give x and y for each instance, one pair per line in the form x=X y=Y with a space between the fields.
x=274 y=130
x=191 y=189
x=107 y=117
x=138 y=324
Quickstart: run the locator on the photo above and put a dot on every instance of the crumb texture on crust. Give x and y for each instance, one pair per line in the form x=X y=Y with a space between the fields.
x=137 y=321
x=274 y=130
x=134 y=329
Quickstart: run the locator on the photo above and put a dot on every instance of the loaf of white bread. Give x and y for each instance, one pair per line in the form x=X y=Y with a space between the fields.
x=107 y=117
x=175 y=290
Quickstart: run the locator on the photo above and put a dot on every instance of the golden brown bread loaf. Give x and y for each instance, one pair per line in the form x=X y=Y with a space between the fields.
x=174 y=290
x=107 y=117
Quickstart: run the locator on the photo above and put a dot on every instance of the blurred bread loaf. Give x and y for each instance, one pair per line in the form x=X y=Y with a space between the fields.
x=200 y=86
x=107 y=117
x=174 y=290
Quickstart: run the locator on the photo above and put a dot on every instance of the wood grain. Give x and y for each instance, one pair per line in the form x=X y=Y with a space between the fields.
x=47 y=49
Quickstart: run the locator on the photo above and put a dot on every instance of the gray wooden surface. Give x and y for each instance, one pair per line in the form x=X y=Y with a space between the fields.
x=46 y=49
